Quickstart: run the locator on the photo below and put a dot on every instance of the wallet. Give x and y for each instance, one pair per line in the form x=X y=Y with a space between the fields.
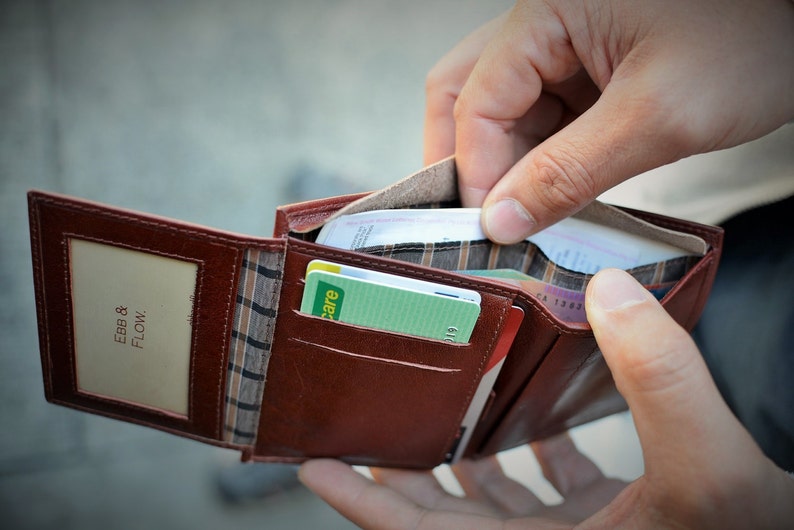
x=198 y=332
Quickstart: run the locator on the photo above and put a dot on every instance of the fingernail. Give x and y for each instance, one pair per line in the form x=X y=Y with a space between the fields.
x=507 y=221
x=615 y=289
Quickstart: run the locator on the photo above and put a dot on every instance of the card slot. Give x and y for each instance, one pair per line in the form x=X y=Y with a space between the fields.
x=397 y=335
x=342 y=327
x=566 y=381
x=386 y=346
x=388 y=302
x=560 y=290
x=374 y=358
x=364 y=396
x=495 y=301
x=524 y=257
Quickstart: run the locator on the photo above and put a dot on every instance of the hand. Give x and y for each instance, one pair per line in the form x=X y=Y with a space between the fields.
x=552 y=104
x=491 y=496
x=702 y=469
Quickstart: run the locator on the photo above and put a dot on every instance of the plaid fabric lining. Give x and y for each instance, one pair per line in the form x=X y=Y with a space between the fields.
x=254 y=322
x=524 y=257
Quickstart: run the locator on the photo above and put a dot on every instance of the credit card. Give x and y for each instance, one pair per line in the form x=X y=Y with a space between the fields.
x=514 y=318
x=393 y=279
x=388 y=307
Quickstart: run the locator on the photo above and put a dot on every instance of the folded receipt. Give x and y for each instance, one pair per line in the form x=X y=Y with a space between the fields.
x=572 y=243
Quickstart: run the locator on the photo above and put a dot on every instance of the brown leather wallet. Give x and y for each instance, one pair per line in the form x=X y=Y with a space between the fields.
x=197 y=332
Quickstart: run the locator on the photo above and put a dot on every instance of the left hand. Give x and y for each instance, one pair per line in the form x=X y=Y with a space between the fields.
x=415 y=499
x=702 y=468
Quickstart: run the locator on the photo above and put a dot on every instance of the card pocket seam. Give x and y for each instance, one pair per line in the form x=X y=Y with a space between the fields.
x=407 y=364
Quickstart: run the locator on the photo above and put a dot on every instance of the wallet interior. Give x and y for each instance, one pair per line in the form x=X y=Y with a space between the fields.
x=554 y=377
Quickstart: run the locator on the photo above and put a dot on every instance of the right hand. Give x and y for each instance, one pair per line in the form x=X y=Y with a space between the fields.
x=702 y=468
x=557 y=101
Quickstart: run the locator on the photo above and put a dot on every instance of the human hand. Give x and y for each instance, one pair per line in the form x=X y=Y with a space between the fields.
x=702 y=469
x=491 y=496
x=557 y=101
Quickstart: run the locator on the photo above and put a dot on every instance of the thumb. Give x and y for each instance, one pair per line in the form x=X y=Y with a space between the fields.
x=684 y=426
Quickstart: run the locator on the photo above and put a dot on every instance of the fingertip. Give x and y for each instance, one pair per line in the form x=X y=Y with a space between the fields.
x=507 y=221
x=320 y=463
x=625 y=317
x=308 y=471
x=615 y=289
x=318 y=473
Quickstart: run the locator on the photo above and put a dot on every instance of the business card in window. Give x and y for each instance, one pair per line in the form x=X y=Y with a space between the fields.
x=132 y=324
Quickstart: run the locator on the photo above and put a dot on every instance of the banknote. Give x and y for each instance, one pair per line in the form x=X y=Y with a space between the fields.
x=566 y=304
x=576 y=247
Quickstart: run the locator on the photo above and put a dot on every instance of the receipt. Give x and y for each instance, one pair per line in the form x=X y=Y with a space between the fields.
x=577 y=245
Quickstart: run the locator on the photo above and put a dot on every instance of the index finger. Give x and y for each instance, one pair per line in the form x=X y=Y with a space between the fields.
x=442 y=88
x=532 y=48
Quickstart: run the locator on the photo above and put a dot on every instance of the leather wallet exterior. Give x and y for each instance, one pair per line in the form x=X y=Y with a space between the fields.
x=197 y=332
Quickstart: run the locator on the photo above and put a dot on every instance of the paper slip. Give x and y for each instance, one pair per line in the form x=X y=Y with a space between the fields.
x=577 y=245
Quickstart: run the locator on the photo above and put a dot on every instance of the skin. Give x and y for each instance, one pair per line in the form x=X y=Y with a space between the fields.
x=557 y=101
x=702 y=468
x=545 y=108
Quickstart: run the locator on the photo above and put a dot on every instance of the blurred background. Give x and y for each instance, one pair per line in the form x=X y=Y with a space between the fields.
x=214 y=113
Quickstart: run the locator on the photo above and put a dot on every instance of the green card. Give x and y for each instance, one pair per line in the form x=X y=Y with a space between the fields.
x=387 y=307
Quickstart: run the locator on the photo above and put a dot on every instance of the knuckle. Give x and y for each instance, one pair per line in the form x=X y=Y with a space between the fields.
x=665 y=120
x=441 y=94
x=461 y=109
x=440 y=87
x=563 y=184
x=667 y=369
x=436 y=79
